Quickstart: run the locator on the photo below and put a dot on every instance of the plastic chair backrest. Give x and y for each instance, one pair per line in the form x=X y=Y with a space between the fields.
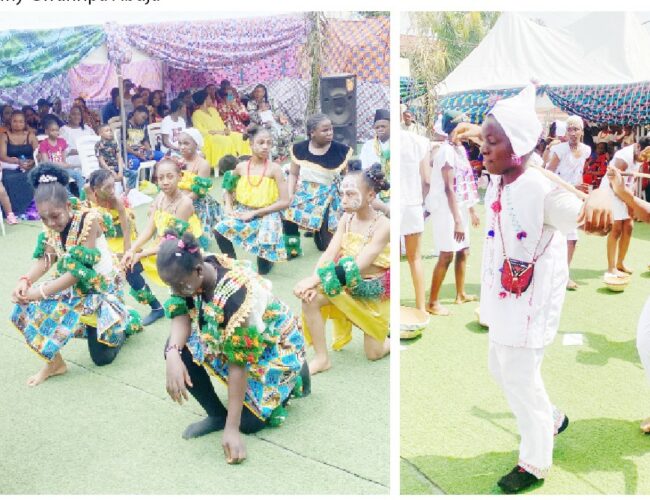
x=86 y=149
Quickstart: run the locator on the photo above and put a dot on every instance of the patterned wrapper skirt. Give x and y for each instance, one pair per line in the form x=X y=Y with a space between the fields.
x=370 y=315
x=310 y=202
x=272 y=378
x=209 y=213
x=47 y=325
x=262 y=236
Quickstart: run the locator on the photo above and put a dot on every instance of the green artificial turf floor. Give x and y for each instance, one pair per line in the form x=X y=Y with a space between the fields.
x=113 y=429
x=457 y=433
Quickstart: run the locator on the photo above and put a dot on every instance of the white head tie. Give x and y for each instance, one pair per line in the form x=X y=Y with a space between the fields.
x=519 y=121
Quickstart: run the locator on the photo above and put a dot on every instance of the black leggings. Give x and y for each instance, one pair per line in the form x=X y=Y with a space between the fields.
x=203 y=391
x=101 y=354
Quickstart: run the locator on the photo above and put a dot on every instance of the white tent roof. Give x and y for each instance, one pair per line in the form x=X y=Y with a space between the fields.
x=518 y=50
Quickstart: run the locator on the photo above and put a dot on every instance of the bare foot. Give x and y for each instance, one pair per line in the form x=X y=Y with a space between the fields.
x=55 y=367
x=571 y=285
x=645 y=426
x=318 y=365
x=615 y=273
x=437 y=310
x=464 y=298
x=621 y=268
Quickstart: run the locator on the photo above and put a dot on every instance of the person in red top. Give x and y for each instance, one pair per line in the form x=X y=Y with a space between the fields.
x=232 y=111
x=52 y=149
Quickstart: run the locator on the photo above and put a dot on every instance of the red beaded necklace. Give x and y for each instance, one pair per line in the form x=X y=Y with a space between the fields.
x=248 y=172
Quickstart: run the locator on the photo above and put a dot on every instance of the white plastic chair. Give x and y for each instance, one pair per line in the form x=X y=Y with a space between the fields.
x=86 y=150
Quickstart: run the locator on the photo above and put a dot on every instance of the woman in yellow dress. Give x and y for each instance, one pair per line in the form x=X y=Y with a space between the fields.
x=172 y=208
x=120 y=220
x=351 y=282
x=219 y=140
x=255 y=194
x=196 y=182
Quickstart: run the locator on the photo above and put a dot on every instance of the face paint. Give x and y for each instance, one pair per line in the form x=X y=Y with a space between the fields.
x=351 y=194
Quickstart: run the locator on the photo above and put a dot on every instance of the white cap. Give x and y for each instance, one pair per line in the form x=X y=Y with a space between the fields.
x=519 y=121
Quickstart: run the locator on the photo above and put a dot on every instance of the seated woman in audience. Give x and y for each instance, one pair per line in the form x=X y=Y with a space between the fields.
x=156 y=107
x=57 y=110
x=351 y=282
x=31 y=118
x=190 y=107
x=232 y=111
x=90 y=118
x=84 y=298
x=262 y=113
x=219 y=139
x=74 y=130
x=17 y=148
x=226 y=319
x=255 y=194
x=5 y=117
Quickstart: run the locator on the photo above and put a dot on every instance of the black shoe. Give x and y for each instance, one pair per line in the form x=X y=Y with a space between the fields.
x=565 y=424
x=308 y=234
x=263 y=266
x=518 y=480
x=153 y=316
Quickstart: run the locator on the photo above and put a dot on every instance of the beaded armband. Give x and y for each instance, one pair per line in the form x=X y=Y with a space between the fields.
x=144 y=296
x=133 y=324
x=329 y=281
x=180 y=226
x=352 y=273
x=201 y=186
x=39 y=251
x=293 y=245
x=175 y=306
x=108 y=227
x=79 y=262
x=230 y=179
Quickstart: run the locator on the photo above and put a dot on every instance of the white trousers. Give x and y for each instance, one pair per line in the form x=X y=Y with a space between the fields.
x=518 y=371
x=643 y=338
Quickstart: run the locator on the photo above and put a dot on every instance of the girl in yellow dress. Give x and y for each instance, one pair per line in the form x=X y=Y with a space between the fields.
x=196 y=182
x=170 y=209
x=219 y=140
x=351 y=282
x=121 y=221
x=255 y=193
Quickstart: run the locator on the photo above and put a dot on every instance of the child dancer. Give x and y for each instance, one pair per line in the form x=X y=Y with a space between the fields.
x=641 y=211
x=255 y=194
x=316 y=167
x=170 y=209
x=225 y=318
x=618 y=242
x=351 y=282
x=85 y=297
x=451 y=199
x=568 y=159
x=524 y=274
x=196 y=182
x=121 y=222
